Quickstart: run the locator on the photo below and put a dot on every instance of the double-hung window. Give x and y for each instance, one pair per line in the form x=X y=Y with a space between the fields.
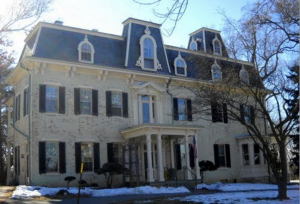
x=148 y=54
x=25 y=102
x=115 y=153
x=222 y=155
x=245 y=154
x=17 y=107
x=116 y=104
x=52 y=99
x=219 y=112
x=216 y=73
x=85 y=101
x=182 y=109
x=52 y=157
x=256 y=154
x=87 y=153
x=247 y=114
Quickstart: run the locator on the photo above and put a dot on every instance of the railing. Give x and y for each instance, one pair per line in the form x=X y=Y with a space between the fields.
x=185 y=168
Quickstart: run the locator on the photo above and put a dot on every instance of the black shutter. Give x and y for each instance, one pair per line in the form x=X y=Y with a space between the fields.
x=242 y=114
x=95 y=102
x=62 y=100
x=62 y=157
x=77 y=157
x=24 y=102
x=108 y=103
x=175 y=108
x=252 y=115
x=192 y=161
x=76 y=101
x=125 y=104
x=42 y=98
x=225 y=117
x=110 y=152
x=216 y=152
x=42 y=157
x=96 y=157
x=189 y=110
x=178 y=157
x=228 y=161
x=214 y=112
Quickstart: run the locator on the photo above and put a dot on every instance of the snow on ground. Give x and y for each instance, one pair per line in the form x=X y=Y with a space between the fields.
x=28 y=192
x=241 y=186
x=242 y=197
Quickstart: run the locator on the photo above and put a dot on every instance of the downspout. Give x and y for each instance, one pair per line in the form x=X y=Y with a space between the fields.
x=168 y=92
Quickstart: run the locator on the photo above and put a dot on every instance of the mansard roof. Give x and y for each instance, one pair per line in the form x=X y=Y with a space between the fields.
x=58 y=42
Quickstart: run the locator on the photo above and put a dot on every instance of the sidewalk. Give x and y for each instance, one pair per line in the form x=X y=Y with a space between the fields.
x=6 y=192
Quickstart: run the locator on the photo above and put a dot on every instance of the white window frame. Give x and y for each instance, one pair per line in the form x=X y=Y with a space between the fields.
x=244 y=73
x=216 y=40
x=84 y=90
x=141 y=61
x=245 y=154
x=223 y=146
x=213 y=72
x=57 y=99
x=184 y=63
x=85 y=41
x=112 y=105
x=193 y=42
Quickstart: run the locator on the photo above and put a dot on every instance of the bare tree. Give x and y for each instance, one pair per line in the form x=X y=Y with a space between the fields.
x=172 y=11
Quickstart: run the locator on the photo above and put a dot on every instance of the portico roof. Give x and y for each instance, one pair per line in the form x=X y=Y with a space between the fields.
x=163 y=129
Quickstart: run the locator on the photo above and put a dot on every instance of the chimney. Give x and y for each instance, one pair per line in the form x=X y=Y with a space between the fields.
x=57 y=22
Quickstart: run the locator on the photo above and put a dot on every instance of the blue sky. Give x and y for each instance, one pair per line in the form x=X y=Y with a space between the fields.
x=107 y=16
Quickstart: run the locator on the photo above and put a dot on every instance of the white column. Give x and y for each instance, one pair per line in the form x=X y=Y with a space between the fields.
x=8 y=178
x=149 y=158
x=197 y=168
x=172 y=154
x=159 y=158
x=187 y=157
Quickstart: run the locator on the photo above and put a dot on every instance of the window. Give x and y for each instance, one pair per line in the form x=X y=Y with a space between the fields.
x=244 y=76
x=216 y=73
x=148 y=54
x=245 y=153
x=85 y=101
x=52 y=157
x=86 y=51
x=193 y=45
x=182 y=109
x=17 y=160
x=219 y=112
x=217 y=46
x=247 y=114
x=52 y=99
x=17 y=107
x=148 y=58
x=180 y=66
x=25 y=102
x=256 y=154
x=89 y=154
x=222 y=155
x=11 y=110
x=115 y=153
x=147 y=109
x=116 y=104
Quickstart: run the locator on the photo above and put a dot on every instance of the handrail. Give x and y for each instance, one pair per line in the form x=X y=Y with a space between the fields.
x=185 y=167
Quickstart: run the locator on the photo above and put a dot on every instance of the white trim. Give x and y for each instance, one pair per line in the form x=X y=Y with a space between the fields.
x=216 y=40
x=193 y=42
x=141 y=22
x=165 y=51
x=36 y=41
x=175 y=65
x=116 y=90
x=128 y=44
x=204 y=41
x=52 y=83
x=149 y=83
x=85 y=87
x=86 y=41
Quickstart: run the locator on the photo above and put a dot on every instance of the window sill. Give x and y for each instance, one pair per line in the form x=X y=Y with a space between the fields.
x=85 y=115
x=52 y=114
x=116 y=116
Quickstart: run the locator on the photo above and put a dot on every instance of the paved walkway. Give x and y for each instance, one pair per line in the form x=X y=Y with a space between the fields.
x=6 y=192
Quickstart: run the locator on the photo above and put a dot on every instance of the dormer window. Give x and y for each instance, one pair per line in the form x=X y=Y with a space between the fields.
x=193 y=44
x=244 y=76
x=148 y=54
x=86 y=51
x=180 y=66
x=148 y=58
x=217 y=46
x=216 y=72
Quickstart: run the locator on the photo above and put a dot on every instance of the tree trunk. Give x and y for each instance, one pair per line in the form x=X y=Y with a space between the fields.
x=282 y=183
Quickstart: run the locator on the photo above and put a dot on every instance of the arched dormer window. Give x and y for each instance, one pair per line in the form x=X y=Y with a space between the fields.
x=244 y=76
x=180 y=66
x=216 y=72
x=86 y=51
x=148 y=58
x=217 y=46
x=193 y=44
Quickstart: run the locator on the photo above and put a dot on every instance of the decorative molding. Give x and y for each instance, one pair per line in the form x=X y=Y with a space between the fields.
x=41 y=70
x=139 y=62
x=130 y=78
x=70 y=72
x=102 y=75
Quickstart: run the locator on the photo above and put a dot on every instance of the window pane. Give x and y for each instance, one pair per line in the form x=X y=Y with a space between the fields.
x=118 y=156
x=256 y=154
x=87 y=156
x=182 y=111
x=116 y=103
x=149 y=63
x=85 y=101
x=247 y=114
x=193 y=46
x=86 y=52
x=146 y=114
x=182 y=155
x=217 y=48
x=148 y=48
x=51 y=99
x=245 y=154
x=51 y=156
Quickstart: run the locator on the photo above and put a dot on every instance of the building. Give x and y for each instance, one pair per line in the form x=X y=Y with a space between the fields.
x=80 y=95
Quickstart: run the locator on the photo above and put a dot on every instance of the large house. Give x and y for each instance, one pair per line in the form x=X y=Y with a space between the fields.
x=82 y=96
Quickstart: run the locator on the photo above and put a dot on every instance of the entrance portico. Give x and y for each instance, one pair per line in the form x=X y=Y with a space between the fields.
x=156 y=132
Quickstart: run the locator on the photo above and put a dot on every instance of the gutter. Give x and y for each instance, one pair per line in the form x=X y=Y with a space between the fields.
x=171 y=95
